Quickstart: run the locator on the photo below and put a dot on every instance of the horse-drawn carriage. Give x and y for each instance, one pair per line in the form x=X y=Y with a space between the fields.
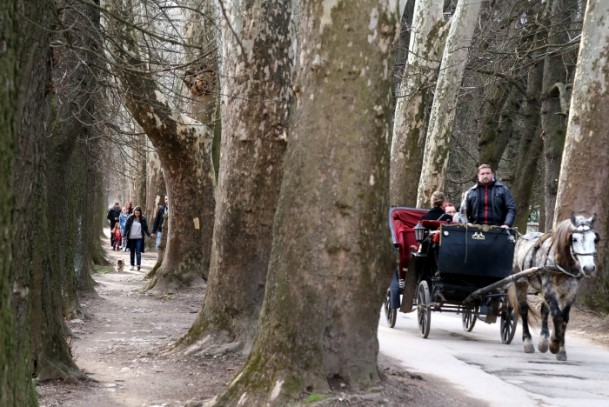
x=440 y=265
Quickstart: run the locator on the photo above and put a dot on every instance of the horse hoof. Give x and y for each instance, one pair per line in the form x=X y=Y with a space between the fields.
x=543 y=346
x=554 y=347
x=562 y=356
x=529 y=348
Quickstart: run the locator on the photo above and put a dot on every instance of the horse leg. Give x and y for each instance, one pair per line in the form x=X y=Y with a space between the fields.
x=561 y=352
x=523 y=308
x=557 y=340
x=545 y=331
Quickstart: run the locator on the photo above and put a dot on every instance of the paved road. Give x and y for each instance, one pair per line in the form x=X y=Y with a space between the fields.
x=478 y=364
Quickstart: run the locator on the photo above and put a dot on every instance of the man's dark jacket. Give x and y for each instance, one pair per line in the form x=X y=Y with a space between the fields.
x=113 y=215
x=503 y=208
x=157 y=226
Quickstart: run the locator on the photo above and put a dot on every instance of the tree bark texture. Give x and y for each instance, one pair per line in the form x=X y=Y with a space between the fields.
x=256 y=69
x=184 y=148
x=330 y=261
x=155 y=183
x=139 y=172
x=37 y=298
x=403 y=44
x=583 y=185
x=201 y=77
x=68 y=150
x=498 y=123
x=553 y=106
x=529 y=148
x=16 y=388
x=414 y=100
x=441 y=122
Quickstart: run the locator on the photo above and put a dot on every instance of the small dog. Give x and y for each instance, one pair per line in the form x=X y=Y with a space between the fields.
x=119 y=265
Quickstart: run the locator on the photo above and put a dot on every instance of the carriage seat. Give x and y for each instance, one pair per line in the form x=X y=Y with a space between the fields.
x=404 y=237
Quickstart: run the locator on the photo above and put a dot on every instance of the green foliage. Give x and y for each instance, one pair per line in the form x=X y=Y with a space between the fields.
x=314 y=397
x=103 y=269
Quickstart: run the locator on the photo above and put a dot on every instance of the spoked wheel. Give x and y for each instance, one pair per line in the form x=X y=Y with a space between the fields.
x=509 y=322
x=469 y=317
x=424 y=308
x=390 y=313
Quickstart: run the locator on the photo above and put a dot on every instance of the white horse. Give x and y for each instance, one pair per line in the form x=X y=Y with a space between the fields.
x=565 y=257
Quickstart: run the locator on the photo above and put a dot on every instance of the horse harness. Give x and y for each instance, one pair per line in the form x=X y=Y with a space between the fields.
x=542 y=239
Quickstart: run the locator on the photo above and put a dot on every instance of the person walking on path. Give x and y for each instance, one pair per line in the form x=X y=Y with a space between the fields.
x=113 y=214
x=136 y=229
x=117 y=236
x=157 y=226
x=122 y=220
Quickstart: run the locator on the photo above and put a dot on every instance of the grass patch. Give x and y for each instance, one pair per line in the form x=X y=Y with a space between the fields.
x=314 y=397
x=104 y=269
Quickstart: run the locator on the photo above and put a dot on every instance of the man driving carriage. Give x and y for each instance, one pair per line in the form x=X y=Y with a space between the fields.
x=489 y=202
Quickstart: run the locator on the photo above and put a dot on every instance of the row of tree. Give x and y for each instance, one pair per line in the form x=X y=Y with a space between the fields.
x=273 y=128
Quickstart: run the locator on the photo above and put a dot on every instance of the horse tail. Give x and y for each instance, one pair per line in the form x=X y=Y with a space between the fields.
x=513 y=291
x=513 y=299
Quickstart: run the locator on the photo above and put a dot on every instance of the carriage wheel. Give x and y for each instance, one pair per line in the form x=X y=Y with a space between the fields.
x=390 y=313
x=469 y=318
x=424 y=308
x=509 y=322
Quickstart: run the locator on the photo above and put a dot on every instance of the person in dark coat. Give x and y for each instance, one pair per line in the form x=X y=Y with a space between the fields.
x=489 y=202
x=136 y=229
x=113 y=215
x=437 y=212
x=157 y=226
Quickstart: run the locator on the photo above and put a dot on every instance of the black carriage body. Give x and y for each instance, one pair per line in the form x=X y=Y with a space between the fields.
x=471 y=257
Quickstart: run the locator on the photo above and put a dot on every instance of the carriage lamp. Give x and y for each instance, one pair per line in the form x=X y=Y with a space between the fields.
x=419 y=232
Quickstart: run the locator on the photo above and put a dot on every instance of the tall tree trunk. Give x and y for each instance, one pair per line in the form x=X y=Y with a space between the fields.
x=16 y=387
x=403 y=45
x=39 y=283
x=184 y=148
x=529 y=148
x=75 y=86
x=437 y=146
x=554 y=102
x=155 y=183
x=327 y=271
x=95 y=204
x=583 y=186
x=254 y=117
x=139 y=173
x=201 y=78
x=498 y=119
x=414 y=100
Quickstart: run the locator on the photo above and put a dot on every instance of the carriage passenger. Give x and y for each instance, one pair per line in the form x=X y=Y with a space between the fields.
x=450 y=209
x=437 y=212
x=489 y=202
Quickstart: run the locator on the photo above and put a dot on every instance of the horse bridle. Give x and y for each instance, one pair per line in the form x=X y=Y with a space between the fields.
x=581 y=230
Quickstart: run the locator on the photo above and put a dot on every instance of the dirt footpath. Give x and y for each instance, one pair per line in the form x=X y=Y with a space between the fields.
x=120 y=348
